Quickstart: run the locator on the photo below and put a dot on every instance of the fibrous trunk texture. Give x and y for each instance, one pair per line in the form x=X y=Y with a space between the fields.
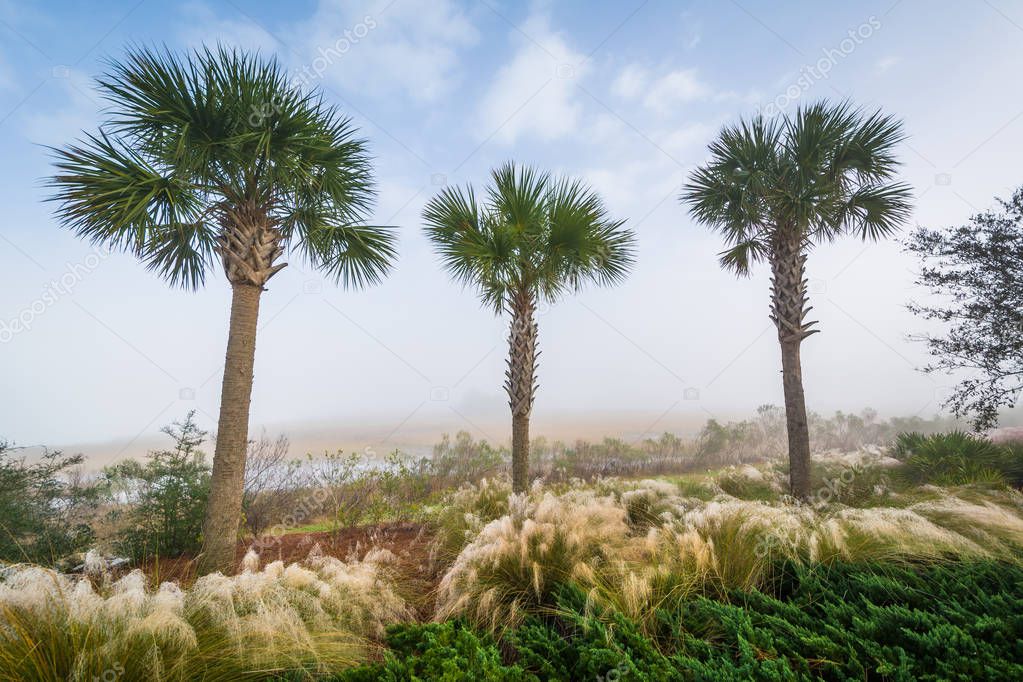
x=249 y=248
x=520 y=383
x=788 y=311
x=223 y=511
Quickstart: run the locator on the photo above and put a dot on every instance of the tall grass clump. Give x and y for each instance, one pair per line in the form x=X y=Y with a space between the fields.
x=510 y=569
x=641 y=547
x=464 y=513
x=316 y=616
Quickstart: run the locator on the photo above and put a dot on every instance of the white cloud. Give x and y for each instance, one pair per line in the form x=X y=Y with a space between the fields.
x=535 y=93
x=886 y=63
x=79 y=112
x=631 y=82
x=663 y=93
x=404 y=48
x=672 y=89
x=408 y=48
x=205 y=27
x=682 y=142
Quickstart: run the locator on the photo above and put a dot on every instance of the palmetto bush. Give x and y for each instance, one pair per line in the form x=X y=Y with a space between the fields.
x=319 y=615
x=956 y=458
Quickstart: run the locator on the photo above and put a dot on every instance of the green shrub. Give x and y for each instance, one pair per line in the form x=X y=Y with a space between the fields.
x=1012 y=465
x=854 y=622
x=954 y=458
x=164 y=499
x=441 y=652
x=466 y=459
x=849 y=622
x=43 y=507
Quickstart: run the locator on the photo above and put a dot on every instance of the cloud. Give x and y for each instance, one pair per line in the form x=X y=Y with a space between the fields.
x=205 y=27
x=77 y=113
x=645 y=171
x=404 y=48
x=675 y=88
x=886 y=63
x=408 y=48
x=535 y=93
x=661 y=93
x=631 y=82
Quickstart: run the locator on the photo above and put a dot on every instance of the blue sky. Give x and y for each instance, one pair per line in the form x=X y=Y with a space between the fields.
x=623 y=94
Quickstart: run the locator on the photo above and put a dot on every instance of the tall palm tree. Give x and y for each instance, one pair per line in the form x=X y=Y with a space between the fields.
x=775 y=189
x=533 y=238
x=215 y=157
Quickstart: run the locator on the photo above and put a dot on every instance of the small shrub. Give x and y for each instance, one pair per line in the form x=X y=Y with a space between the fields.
x=163 y=501
x=848 y=622
x=403 y=485
x=272 y=484
x=44 y=506
x=444 y=652
x=465 y=459
x=859 y=483
x=954 y=458
x=345 y=488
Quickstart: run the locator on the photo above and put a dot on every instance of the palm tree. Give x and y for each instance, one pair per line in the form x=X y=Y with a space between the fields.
x=774 y=189
x=215 y=157
x=534 y=238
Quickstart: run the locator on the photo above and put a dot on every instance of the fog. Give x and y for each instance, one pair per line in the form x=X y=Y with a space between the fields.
x=117 y=354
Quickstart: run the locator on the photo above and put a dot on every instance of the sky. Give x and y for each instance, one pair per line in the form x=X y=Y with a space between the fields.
x=96 y=353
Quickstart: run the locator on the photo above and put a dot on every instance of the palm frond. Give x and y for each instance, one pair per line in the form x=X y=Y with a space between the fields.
x=826 y=171
x=534 y=234
x=110 y=194
x=189 y=137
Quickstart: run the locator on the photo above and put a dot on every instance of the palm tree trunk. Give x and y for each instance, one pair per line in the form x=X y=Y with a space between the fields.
x=520 y=383
x=520 y=452
x=788 y=310
x=795 y=420
x=223 y=511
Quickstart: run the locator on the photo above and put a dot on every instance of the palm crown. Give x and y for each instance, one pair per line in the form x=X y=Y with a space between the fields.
x=192 y=150
x=820 y=174
x=533 y=235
